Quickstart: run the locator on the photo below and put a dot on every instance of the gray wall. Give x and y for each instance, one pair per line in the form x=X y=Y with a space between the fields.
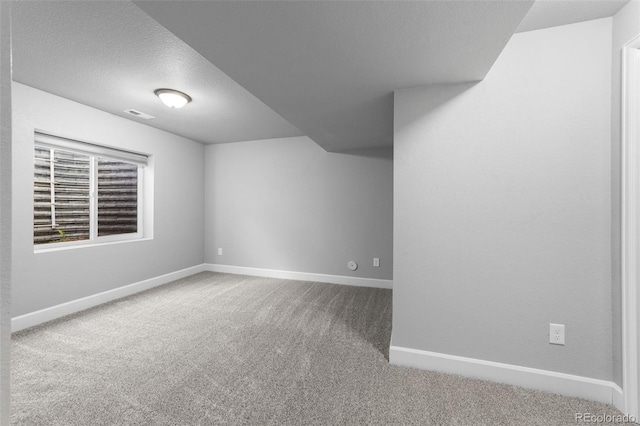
x=626 y=26
x=502 y=207
x=46 y=279
x=5 y=209
x=287 y=204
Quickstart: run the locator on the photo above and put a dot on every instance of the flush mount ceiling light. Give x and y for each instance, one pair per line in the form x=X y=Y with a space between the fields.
x=173 y=98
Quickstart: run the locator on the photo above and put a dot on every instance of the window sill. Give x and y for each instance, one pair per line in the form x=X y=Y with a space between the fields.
x=38 y=250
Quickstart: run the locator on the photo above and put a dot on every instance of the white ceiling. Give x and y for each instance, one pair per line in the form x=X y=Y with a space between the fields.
x=112 y=56
x=551 y=13
x=260 y=70
x=330 y=68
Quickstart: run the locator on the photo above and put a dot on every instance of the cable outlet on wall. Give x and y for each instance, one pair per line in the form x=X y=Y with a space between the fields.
x=376 y=262
x=556 y=334
x=219 y=252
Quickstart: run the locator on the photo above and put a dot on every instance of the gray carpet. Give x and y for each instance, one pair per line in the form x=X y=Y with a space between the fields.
x=227 y=349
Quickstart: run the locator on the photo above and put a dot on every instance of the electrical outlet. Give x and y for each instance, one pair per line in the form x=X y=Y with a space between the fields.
x=219 y=252
x=556 y=334
x=376 y=262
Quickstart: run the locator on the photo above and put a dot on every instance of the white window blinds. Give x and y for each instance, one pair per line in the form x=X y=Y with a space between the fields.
x=49 y=141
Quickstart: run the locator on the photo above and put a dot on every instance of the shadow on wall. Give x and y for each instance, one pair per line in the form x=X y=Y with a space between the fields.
x=438 y=95
x=382 y=152
x=364 y=133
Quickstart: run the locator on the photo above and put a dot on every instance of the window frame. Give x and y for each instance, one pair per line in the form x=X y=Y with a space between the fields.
x=95 y=152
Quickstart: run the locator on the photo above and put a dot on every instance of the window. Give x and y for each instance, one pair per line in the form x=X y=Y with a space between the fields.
x=85 y=193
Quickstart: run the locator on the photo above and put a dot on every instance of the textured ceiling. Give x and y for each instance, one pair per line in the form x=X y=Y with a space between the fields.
x=330 y=68
x=111 y=56
x=551 y=13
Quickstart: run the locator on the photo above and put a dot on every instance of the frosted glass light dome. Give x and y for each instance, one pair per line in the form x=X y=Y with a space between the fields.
x=173 y=98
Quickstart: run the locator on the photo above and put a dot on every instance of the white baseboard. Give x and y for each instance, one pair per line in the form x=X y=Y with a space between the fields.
x=38 y=317
x=48 y=314
x=300 y=276
x=532 y=378
x=618 y=398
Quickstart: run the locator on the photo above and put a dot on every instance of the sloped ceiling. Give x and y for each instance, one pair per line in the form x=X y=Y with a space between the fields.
x=112 y=56
x=330 y=68
x=258 y=70
x=551 y=13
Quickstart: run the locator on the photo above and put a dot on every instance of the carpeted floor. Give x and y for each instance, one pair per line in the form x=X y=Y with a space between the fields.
x=228 y=349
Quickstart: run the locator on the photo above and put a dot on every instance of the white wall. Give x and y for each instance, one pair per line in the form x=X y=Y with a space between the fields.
x=46 y=279
x=286 y=204
x=502 y=207
x=626 y=26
